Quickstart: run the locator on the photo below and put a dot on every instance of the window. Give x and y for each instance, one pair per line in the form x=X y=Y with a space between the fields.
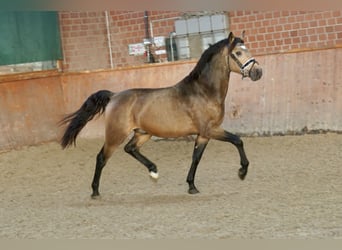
x=195 y=33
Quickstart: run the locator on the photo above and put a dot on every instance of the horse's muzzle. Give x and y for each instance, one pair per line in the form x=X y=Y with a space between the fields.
x=255 y=73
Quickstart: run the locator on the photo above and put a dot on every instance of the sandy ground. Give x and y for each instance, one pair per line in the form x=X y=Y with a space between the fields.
x=293 y=191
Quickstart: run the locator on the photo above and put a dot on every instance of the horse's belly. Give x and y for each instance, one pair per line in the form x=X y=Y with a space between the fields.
x=168 y=124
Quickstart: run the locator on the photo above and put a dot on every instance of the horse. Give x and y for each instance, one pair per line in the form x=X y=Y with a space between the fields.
x=192 y=107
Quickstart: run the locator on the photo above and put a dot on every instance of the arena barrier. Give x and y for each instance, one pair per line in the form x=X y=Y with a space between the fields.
x=298 y=93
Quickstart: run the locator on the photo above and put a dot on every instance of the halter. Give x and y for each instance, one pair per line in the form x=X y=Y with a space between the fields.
x=243 y=67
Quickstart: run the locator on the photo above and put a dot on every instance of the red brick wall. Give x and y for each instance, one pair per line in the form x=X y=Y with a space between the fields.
x=128 y=27
x=282 y=31
x=84 y=40
x=85 y=44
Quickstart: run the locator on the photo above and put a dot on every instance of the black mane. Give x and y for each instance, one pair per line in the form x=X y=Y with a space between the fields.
x=208 y=55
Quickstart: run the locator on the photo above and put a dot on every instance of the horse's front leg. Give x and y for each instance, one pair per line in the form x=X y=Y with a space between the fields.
x=199 y=148
x=222 y=135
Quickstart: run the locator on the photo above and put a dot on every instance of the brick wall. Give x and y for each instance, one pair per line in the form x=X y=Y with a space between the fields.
x=84 y=40
x=128 y=27
x=85 y=43
x=282 y=31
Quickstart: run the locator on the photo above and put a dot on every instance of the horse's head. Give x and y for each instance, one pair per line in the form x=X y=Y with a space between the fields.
x=240 y=59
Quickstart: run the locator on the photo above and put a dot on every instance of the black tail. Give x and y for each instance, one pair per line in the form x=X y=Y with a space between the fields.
x=96 y=103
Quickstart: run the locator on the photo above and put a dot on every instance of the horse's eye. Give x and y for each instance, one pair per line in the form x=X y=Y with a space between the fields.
x=238 y=53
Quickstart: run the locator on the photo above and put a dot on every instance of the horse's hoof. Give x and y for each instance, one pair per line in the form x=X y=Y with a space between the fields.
x=154 y=175
x=95 y=196
x=193 y=191
x=242 y=173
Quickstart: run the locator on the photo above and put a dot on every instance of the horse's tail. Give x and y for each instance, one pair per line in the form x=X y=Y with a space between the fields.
x=95 y=104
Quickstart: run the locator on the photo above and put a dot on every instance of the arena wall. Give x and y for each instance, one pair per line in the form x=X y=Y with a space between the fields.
x=299 y=92
x=29 y=110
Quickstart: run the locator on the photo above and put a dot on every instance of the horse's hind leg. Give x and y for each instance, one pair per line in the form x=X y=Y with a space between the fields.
x=100 y=163
x=132 y=148
x=101 y=160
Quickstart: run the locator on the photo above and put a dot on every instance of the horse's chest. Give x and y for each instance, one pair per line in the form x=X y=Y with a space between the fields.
x=212 y=112
x=217 y=113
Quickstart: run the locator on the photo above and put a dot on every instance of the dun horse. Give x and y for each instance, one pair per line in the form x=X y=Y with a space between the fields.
x=194 y=106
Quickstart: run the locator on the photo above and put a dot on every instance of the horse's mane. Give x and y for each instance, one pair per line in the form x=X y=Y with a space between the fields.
x=207 y=56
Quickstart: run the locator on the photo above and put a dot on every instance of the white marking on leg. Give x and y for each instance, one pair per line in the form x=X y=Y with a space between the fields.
x=154 y=175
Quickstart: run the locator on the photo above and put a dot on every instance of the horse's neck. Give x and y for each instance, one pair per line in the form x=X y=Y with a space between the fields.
x=215 y=80
x=212 y=82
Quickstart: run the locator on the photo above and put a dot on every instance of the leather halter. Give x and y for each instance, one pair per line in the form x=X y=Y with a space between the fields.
x=244 y=69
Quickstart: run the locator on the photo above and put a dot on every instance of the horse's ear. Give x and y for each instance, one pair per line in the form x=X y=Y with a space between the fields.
x=230 y=37
x=243 y=35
